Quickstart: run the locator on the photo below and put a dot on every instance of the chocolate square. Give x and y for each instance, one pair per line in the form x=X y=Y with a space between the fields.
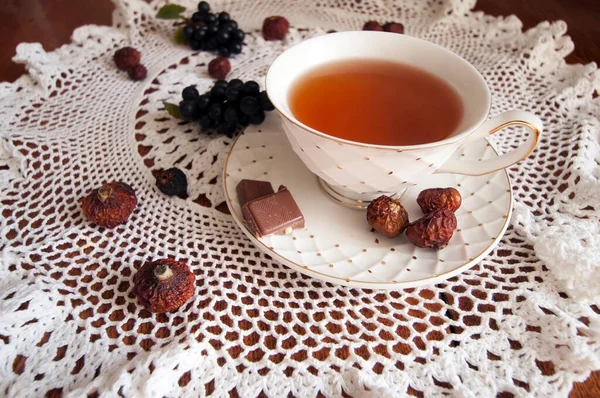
x=277 y=213
x=248 y=190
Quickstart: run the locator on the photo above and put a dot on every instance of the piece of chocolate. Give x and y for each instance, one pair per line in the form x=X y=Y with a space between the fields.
x=277 y=213
x=248 y=190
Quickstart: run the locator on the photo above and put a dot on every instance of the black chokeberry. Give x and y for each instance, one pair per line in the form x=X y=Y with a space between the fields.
x=226 y=128
x=200 y=33
x=232 y=94
x=215 y=112
x=187 y=109
x=190 y=93
x=205 y=122
x=238 y=35
x=224 y=52
x=244 y=120
x=197 y=17
x=235 y=83
x=235 y=48
x=265 y=102
x=211 y=44
x=188 y=31
x=249 y=105
x=222 y=36
x=224 y=17
x=195 y=44
x=202 y=102
x=231 y=115
x=251 y=88
x=257 y=118
x=217 y=94
x=210 y=18
x=203 y=7
x=212 y=30
x=226 y=106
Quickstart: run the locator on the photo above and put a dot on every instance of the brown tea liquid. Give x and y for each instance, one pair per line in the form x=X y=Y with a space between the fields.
x=376 y=102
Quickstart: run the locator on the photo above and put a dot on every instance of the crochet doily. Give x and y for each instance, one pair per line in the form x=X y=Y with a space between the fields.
x=523 y=322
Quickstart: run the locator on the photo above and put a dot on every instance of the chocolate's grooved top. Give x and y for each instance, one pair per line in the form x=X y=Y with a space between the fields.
x=273 y=213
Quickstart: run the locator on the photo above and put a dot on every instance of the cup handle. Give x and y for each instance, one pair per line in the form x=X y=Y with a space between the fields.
x=491 y=126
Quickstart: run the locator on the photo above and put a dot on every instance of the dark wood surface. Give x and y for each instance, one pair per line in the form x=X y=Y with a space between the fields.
x=51 y=23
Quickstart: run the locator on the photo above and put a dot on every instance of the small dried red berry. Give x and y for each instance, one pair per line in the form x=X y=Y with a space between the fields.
x=219 y=67
x=393 y=27
x=373 y=25
x=127 y=57
x=137 y=72
x=164 y=285
x=439 y=198
x=110 y=205
x=387 y=216
x=433 y=231
x=171 y=182
x=275 y=28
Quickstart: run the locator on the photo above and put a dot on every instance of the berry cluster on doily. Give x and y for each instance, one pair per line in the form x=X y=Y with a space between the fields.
x=524 y=321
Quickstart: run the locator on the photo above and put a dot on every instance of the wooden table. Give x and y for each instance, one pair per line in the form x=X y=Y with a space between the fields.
x=51 y=23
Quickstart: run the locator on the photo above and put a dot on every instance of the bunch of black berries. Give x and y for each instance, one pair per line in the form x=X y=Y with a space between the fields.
x=226 y=106
x=213 y=32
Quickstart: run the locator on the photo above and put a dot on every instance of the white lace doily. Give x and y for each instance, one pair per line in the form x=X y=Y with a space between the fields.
x=524 y=322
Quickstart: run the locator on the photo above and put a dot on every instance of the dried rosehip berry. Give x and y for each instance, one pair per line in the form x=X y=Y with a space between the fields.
x=219 y=67
x=137 y=72
x=373 y=25
x=434 y=230
x=127 y=57
x=171 y=182
x=164 y=285
x=275 y=28
x=393 y=27
x=439 y=198
x=110 y=205
x=387 y=216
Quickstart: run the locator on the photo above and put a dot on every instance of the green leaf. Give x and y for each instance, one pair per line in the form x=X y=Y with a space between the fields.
x=179 y=38
x=173 y=109
x=170 y=11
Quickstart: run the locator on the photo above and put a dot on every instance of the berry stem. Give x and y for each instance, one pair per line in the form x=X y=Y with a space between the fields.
x=163 y=272
x=104 y=192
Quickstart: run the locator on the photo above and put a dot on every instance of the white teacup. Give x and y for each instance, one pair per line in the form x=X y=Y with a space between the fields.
x=355 y=173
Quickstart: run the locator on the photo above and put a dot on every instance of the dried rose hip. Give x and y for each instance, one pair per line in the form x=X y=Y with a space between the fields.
x=127 y=57
x=137 y=72
x=164 y=285
x=171 y=182
x=387 y=216
x=219 y=67
x=393 y=27
x=439 y=198
x=110 y=205
x=373 y=25
x=432 y=231
x=275 y=28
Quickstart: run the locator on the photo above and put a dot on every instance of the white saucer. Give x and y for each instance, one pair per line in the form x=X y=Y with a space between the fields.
x=337 y=244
